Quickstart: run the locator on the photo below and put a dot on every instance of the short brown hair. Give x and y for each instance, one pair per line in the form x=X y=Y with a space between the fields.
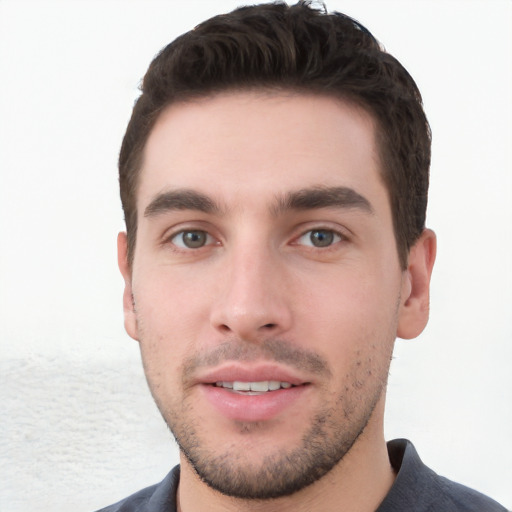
x=297 y=48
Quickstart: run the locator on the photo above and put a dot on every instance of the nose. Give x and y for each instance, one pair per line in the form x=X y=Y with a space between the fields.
x=254 y=301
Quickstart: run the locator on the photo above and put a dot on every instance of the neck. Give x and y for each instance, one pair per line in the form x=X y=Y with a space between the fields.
x=359 y=482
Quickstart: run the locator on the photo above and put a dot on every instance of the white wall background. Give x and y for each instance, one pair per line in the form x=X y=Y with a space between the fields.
x=78 y=428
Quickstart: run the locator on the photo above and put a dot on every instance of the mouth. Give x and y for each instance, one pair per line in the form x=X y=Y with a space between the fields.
x=252 y=392
x=253 y=400
x=255 y=387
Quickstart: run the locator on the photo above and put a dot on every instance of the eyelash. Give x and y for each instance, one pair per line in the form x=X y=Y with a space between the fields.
x=183 y=247
x=333 y=238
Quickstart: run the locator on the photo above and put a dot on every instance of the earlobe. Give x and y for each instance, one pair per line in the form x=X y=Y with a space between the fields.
x=414 y=308
x=130 y=320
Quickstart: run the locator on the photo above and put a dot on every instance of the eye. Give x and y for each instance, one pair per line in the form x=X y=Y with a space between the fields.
x=193 y=239
x=319 y=238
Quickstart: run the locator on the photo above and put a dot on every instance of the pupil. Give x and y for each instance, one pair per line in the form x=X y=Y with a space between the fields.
x=321 y=238
x=194 y=239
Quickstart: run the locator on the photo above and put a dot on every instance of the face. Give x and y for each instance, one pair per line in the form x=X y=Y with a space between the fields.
x=266 y=291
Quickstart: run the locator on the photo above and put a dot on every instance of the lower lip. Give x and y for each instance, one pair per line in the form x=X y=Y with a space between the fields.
x=251 y=408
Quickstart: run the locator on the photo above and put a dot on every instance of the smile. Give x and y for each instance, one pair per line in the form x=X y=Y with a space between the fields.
x=253 y=400
x=255 y=387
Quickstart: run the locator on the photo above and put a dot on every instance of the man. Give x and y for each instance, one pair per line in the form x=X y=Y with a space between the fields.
x=274 y=180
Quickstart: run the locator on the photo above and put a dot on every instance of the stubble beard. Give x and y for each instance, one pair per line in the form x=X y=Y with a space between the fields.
x=323 y=446
x=332 y=432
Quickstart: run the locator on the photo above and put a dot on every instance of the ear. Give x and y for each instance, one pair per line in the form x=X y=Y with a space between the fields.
x=414 y=307
x=130 y=319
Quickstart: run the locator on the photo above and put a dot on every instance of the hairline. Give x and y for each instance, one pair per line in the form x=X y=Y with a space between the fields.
x=379 y=137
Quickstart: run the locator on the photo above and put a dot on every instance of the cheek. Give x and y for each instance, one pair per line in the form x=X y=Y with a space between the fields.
x=166 y=296
x=354 y=319
x=170 y=314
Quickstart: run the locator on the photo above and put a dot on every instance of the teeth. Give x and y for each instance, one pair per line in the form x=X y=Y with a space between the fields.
x=241 y=386
x=228 y=385
x=259 y=386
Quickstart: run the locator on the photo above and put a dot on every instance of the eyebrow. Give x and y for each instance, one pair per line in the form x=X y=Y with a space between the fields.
x=183 y=199
x=322 y=197
x=303 y=199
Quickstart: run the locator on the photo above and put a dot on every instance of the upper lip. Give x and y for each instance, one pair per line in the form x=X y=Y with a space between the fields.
x=231 y=372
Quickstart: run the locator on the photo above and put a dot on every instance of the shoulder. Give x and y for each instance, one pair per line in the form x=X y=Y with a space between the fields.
x=417 y=488
x=460 y=497
x=157 y=498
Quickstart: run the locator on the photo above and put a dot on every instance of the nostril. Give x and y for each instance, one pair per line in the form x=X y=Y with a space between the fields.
x=269 y=326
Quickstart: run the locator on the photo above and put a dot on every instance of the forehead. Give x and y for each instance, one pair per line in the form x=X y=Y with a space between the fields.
x=256 y=144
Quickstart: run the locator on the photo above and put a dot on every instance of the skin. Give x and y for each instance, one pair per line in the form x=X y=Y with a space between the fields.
x=261 y=295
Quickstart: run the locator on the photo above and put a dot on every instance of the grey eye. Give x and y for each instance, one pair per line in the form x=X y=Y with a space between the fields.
x=321 y=238
x=191 y=239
